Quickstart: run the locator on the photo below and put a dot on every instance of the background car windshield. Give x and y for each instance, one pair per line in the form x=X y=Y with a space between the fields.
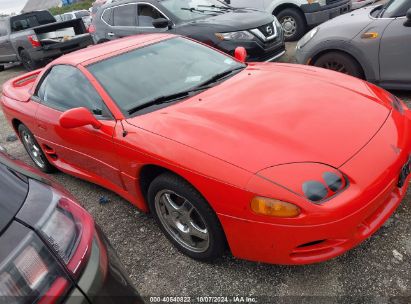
x=396 y=8
x=171 y=66
x=179 y=8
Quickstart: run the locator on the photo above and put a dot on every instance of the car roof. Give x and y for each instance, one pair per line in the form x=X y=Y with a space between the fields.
x=105 y=50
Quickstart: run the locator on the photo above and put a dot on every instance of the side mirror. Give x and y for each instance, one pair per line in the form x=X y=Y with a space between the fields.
x=162 y=23
x=78 y=117
x=408 y=20
x=240 y=54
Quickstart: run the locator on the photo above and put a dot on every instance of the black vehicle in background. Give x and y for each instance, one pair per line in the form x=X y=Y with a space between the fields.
x=51 y=251
x=35 y=38
x=209 y=21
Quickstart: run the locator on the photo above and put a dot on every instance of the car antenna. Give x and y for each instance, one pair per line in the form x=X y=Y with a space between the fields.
x=124 y=130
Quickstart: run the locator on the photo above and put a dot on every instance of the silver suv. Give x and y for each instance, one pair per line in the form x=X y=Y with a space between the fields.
x=373 y=43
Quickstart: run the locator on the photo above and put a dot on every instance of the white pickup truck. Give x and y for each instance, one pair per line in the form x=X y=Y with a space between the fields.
x=297 y=16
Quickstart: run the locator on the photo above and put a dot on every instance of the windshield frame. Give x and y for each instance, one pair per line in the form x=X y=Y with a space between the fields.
x=383 y=10
x=194 y=88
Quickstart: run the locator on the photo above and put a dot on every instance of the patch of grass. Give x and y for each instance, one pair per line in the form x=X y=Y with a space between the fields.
x=86 y=4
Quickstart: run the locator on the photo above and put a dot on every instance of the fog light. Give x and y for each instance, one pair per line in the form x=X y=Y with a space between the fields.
x=273 y=207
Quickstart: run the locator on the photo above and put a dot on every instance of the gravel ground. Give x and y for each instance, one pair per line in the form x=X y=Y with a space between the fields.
x=374 y=272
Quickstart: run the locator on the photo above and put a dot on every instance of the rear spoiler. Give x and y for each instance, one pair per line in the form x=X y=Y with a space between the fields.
x=19 y=87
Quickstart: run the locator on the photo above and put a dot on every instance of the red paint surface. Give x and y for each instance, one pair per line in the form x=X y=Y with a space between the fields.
x=262 y=132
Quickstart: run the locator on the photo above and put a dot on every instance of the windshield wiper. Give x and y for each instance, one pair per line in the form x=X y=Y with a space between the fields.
x=226 y=8
x=220 y=76
x=168 y=98
x=196 y=10
x=184 y=94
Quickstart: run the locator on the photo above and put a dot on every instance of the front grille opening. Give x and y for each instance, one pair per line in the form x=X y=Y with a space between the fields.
x=311 y=243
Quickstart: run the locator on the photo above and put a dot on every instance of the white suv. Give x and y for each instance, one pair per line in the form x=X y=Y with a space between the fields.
x=297 y=16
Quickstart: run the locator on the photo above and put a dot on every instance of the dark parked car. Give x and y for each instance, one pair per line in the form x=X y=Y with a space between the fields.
x=35 y=38
x=51 y=251
x=209 y=21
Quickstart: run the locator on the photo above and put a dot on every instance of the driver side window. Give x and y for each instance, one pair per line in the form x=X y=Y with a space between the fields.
x=147 y=14
x=65 y=87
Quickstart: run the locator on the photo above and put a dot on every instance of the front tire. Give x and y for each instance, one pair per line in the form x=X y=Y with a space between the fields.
x=34 y=150
x=340 y=62
x=185 y=218
x=293 y=23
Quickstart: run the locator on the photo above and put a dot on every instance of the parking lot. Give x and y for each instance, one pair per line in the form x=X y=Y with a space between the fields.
x=378 y=269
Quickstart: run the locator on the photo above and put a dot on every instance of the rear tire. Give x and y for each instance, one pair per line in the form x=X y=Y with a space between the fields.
x=34 y=150
x=186 y=218
x=1 y=68
x=340 y=62
x=28 y=63
x=293 y=23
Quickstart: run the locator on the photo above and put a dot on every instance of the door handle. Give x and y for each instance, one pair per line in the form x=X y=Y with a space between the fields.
x=111 y=34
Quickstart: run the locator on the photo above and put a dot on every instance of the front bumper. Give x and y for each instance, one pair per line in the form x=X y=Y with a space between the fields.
x=348 y=219
x=257 y=51
x=104 y=280
x=303 y=57
x=316 y=14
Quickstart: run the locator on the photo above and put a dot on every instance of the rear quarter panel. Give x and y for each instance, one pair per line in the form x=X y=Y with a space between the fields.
x=15 y=100
x=19 y=40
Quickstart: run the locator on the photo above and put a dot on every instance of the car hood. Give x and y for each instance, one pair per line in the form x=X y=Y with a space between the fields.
x=353 y=23
x=272 y=114
x=236 y=20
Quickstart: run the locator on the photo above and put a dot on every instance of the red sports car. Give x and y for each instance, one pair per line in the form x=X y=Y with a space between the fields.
x=283 y=163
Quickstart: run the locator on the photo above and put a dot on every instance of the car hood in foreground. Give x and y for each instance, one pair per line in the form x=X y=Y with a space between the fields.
x=273 y=114
x=236 y=20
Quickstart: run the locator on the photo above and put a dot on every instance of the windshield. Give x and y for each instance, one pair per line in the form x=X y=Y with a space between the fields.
x=169 y=67
x=193 y=9
x=396 y=8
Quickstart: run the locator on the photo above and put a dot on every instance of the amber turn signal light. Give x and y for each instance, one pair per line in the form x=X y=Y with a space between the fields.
x=369 y=35
x=273 y=207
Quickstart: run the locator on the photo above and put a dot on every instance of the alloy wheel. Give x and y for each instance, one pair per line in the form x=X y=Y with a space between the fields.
x=335 y=66
x=182 y=221
x=289 y=26
x=33 y=149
